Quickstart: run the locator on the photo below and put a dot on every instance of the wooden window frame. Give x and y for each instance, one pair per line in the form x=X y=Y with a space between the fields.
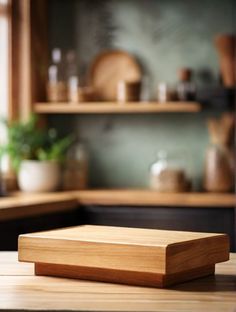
x=5 y=14
x=28 y=55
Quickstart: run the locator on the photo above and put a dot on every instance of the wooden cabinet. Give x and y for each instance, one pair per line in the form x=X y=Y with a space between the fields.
x=10 y=230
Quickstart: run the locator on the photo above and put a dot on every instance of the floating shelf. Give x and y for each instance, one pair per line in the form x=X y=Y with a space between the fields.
x=116 y=107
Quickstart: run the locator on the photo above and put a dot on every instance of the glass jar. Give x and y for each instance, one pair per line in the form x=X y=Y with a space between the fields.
x=75 y=173
x=169 y=173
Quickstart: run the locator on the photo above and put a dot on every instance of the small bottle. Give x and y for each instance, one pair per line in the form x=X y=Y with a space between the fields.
x=73 y=81
x=186 y=90
x=57 y=86
x=73 y=89
x=165 y=93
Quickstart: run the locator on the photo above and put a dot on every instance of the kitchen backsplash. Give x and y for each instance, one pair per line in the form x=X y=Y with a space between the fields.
x=164 y=36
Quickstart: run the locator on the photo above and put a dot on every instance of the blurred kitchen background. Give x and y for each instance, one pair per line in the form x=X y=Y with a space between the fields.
x=117 y=112
x=164 y=36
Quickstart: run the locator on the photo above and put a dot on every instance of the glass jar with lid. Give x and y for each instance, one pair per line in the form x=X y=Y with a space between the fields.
x=169 y=173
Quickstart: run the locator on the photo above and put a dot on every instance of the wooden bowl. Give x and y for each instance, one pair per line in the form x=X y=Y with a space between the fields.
x=108 y=69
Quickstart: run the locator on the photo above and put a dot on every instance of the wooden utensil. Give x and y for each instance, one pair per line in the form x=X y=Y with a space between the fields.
x=124 y=255
x=226 y=45
x=108 y=69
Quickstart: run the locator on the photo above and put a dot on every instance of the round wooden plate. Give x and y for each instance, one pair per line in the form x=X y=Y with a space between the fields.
x=108 y=69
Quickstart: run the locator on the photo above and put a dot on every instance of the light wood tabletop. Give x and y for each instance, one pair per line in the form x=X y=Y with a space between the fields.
x=21 y=290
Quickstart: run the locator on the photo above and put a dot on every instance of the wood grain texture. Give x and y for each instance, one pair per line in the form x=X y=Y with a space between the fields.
x=39 y=48
x=21 y=84
x=132 y=252
x=28 y=29
x=116 y=108
x=21 y=290
x=121 y=277
x=6 y=268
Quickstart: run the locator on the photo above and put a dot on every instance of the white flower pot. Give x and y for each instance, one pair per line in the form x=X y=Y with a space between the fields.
x=39 y=176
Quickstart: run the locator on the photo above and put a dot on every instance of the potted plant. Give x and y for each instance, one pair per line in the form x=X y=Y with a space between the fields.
x=36 y=155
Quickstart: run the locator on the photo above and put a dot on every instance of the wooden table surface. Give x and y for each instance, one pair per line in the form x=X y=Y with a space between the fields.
x=21 y=290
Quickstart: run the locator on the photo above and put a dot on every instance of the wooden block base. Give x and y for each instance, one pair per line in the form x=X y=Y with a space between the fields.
x=142 y=257
x=120 y=276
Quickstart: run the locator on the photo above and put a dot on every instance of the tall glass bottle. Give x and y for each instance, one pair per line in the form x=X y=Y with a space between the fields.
x=57 y=86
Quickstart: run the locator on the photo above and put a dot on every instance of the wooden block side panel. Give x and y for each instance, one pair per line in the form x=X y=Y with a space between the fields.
x=197 y=253
x=171 y=279
x=90 y=254
x=120 y=276
x=98 y=274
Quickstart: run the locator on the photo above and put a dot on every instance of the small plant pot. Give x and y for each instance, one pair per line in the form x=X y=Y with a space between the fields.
x=39 y=176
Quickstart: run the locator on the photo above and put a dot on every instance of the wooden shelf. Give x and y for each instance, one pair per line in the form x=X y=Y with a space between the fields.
x=116 y=108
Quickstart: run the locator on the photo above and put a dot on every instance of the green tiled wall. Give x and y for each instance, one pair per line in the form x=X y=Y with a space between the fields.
x=163 y=35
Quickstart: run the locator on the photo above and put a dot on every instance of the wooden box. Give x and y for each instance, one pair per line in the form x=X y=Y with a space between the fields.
x=124 y=255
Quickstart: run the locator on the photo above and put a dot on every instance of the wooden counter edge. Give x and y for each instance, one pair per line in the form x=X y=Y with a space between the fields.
x=21 y=205
x=29 y=205
x=140 y=197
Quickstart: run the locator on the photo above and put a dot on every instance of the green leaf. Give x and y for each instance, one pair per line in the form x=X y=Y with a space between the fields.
x=27 y=141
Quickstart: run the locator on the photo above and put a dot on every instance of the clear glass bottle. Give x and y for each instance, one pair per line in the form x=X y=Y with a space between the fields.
x=75 y=173
x=57 y=85
x=186 y=90
x=169 y=173
x=73 y=89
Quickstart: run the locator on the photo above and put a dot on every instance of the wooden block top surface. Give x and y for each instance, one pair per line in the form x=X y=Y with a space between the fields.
x=122 y=235
x=129 y=249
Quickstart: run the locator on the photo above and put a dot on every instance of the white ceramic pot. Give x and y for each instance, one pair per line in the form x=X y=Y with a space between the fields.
x=39 y=176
